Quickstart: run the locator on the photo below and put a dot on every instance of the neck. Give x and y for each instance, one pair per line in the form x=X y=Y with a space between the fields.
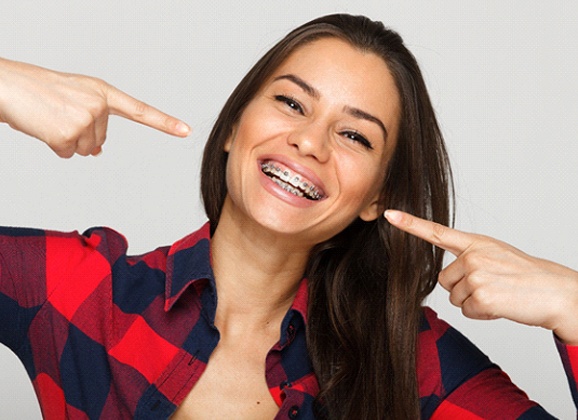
x=257 y=274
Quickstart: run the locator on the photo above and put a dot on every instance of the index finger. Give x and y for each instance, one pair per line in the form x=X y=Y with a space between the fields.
x=451 y=240
x=126 y=106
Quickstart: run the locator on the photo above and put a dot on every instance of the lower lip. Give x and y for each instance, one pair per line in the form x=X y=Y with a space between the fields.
x=280 y=193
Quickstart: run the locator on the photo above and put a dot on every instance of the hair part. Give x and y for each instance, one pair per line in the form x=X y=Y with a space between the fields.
x=366 y=284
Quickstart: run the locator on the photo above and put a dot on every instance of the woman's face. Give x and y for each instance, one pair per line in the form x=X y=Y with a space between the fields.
x=309 y=153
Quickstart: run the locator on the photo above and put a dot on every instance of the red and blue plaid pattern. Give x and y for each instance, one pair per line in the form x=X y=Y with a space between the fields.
x=106 y=335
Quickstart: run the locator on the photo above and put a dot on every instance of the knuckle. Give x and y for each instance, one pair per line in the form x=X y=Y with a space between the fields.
x=85 y=122
x=67 y=138
x=140 y=108
x=169 y=123
x=477 y=307
x=454 y=300
x=83 y=152
x=63 y=152
x=97 y=82
x=438 y=232
x=65 y=144
x=483 y=300
x=443 y=280
x=473 y=261
x=96 y=108
x=442 y=276
x=85 y=148
x=474 y=280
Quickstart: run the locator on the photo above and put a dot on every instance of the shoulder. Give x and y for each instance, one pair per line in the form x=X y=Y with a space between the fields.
x=92 y=237
x=23 y=247
x=97 y=243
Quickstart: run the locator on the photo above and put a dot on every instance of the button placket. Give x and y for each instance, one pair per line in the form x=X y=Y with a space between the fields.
x=293 y=412
x=291 y=332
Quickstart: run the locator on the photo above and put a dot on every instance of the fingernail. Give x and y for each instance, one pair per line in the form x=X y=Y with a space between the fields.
x=393 y=216
x=182 y=128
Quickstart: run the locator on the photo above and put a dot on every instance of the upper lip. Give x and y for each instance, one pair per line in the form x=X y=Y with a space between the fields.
x=297 y=168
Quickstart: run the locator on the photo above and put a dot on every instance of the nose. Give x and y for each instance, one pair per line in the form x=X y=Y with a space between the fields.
x=311 y=140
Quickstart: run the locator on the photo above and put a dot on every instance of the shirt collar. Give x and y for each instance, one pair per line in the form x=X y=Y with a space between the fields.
x=189 y=261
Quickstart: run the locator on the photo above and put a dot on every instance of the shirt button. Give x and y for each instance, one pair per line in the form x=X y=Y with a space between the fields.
x=291 y=332
x=293 y=412
x=285 y=384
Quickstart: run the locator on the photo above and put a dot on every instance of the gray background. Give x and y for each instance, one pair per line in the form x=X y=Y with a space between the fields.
x=502 y=75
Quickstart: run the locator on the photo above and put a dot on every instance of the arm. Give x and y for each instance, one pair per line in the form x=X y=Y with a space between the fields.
x=490 y=279
x=70 y=112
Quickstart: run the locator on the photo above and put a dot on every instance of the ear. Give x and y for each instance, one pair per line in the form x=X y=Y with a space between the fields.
x=371 y=212
x=229 y=141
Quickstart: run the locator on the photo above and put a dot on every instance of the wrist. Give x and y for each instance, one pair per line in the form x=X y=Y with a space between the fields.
x=569 y=340
x=3 y=85
x=567 y=326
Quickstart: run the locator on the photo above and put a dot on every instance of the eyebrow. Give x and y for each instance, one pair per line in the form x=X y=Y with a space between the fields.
x=354 y=112
x=310 y=90
x=358 y=113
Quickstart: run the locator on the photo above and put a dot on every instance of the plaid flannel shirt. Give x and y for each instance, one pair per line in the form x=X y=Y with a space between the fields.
x=106 y=335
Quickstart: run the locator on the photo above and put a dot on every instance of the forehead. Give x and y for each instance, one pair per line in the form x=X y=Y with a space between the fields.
x=347 y=76
x=332 y=55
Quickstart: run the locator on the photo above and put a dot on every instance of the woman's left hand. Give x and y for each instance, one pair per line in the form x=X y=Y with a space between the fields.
x=490 y=279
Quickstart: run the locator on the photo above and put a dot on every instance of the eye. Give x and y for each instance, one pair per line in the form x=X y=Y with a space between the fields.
x=290 y=102
x=358 y=138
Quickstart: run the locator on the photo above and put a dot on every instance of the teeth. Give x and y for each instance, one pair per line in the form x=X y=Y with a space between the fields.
x=287 y=187
x=294 y=181
x=290 y=183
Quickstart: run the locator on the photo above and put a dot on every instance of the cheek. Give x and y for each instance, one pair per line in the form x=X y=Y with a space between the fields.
x=363 y=180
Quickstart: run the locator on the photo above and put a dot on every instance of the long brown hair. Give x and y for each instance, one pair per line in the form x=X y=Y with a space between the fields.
x=366 y=284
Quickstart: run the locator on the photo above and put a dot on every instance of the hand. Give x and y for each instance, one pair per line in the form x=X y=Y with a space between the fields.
x=70 y=112
x=490 y=279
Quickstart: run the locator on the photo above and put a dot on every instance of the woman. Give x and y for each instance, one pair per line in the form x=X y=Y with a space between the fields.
x=328 y=130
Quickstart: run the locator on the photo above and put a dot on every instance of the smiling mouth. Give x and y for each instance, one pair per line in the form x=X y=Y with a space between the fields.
x=291 y=182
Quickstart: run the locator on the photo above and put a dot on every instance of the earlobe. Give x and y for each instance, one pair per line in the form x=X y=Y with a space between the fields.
x=227 y=146
x=371 y=212
x=229 y=141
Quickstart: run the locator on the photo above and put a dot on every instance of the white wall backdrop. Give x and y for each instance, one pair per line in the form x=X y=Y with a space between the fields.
x=502 y=74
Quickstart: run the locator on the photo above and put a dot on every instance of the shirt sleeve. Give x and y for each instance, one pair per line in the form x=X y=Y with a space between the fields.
x=39 y=268
x=22 y=281
x=569 y=356
x=456 y=380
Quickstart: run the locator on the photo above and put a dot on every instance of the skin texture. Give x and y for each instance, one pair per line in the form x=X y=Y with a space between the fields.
x=314 y=130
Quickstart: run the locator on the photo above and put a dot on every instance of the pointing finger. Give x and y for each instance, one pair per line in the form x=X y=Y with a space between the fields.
x=441 y=236
x=128 y=107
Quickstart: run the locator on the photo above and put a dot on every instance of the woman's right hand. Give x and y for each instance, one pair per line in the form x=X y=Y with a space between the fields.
x=69 y=112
